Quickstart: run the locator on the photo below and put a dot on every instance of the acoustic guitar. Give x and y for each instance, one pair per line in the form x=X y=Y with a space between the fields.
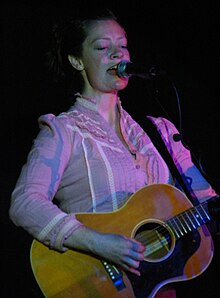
x=179 y=247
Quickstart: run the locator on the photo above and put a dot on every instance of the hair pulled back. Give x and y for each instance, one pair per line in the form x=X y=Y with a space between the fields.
x=67 y=37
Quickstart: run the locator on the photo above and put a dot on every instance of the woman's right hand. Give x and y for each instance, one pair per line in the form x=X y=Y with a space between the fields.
x=120 y=250
x=123 y=251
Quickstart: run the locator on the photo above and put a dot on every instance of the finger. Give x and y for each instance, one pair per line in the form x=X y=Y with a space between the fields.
x=131 y=262
x=131 y=269
x=138 y=246
x=137 y=256
x=135 y=271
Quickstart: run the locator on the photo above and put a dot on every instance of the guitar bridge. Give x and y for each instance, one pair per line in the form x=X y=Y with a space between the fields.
x=115 y=275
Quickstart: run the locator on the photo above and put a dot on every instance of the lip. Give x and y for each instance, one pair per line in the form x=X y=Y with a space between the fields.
x=113 y=71
x=114 y=67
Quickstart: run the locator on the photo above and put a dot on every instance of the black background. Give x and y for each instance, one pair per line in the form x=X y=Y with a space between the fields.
x=180 y=37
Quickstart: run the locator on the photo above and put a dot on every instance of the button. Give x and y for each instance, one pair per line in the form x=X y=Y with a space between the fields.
x=138 y=167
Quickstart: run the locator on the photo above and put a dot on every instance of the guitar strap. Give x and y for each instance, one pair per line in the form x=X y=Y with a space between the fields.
x=152 y=131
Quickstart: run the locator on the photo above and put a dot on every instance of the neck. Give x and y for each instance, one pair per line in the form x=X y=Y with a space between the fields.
x=107 y=107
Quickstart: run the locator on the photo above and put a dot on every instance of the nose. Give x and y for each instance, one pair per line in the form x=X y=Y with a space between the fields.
x=117 y=53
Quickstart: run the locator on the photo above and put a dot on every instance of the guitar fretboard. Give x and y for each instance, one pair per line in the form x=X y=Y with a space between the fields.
x=189 y=220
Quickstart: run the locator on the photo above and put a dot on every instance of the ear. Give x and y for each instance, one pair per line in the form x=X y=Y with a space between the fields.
x=76 y=62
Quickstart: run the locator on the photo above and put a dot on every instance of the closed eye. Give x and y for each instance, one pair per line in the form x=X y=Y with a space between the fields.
x=101 y=48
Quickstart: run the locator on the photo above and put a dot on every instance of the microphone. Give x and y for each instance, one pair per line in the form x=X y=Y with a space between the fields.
x=126 y=69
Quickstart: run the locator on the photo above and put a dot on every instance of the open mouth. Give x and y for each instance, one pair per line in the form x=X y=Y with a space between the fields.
x=113 y=67
x=113 y=70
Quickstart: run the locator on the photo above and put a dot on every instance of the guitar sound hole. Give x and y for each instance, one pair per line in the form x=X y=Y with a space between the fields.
x=158 y=240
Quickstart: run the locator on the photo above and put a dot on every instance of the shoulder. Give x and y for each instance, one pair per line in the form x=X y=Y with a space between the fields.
x=162 y=122
x=61 y=121
x=54 y=128
x=52 y=121
x=169 y=132
x=73 y=122
x=167 y=129
x=164 y=125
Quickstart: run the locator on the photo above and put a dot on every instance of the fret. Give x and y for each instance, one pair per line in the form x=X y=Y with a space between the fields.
x=201 y=216
x=181 y=224
x=198 y=216
x=189 y=220
x=194 y=216
x=173 y=228
x=185 y=221
x=192 y=224
x=205 y=212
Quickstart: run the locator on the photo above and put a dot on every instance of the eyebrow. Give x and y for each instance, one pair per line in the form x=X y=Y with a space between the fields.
x=107 y=38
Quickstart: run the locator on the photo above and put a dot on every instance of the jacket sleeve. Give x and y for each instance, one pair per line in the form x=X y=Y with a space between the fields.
x=32 y=205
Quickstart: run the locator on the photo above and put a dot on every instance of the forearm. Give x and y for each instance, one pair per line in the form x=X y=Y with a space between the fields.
x=41 y=218
x=85 y=239
x=118 y=249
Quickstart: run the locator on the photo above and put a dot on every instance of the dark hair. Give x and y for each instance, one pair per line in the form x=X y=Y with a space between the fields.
x=67 y=38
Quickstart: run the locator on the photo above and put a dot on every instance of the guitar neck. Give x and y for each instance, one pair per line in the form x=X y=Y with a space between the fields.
x=190 y=219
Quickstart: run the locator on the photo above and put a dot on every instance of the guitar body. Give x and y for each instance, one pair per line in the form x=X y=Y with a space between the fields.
x=73 y=274
x=144 y=216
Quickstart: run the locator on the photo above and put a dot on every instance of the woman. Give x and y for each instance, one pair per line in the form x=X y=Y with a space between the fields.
x=93 y=157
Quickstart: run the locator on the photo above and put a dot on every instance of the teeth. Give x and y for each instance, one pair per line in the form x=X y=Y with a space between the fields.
x=113 y=67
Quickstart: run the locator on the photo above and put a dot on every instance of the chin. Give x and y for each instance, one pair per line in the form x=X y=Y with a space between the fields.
x=121 y=84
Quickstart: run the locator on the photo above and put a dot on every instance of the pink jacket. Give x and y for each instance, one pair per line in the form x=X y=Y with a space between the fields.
x=79 y=160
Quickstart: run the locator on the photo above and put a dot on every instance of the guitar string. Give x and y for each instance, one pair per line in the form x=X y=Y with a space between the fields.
x=161 y=230
x=156 y=239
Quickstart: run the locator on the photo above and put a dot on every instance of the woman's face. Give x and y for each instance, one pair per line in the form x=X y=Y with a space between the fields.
x=104 y=47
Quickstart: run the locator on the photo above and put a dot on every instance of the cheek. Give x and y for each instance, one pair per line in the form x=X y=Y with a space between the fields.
x=91 y=67
x=128 y=55
x=94 y=66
